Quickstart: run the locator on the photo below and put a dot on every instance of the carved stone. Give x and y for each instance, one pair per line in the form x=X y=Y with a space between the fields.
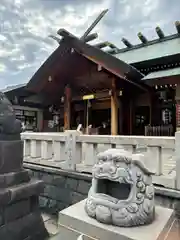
x=10 y=127
x=20 y=217
x=122 y=192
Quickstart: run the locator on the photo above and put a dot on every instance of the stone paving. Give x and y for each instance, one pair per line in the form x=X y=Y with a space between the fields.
x=174 y=234
x=51 y=225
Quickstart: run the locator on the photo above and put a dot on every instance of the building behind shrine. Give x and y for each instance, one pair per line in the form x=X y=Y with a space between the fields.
x=28 y=112
x=134 y=90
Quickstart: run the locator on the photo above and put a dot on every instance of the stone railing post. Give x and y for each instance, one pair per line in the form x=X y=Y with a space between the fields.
x=154 y=160
x=177 y=157
x=72 y=154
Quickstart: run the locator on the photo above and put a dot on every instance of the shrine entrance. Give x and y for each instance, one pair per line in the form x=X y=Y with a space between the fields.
x=142 y=119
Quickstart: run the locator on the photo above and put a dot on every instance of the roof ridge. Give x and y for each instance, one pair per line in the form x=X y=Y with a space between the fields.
x=151 y=42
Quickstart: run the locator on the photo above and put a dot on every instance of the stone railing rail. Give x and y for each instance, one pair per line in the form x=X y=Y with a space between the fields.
x=76 y=152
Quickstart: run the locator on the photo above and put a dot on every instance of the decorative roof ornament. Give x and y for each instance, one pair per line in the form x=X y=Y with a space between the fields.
x=126 y=42
x=159 y=32
x=86 y=37
x=49 y=79
x=142 y=38
x=177 y=24
x=92 y=26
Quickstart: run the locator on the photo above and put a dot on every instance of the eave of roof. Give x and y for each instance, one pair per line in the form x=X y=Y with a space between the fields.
x=12 y=88
x=107 y=61
x=37 y=99
x=163 y=73
x=158 y=48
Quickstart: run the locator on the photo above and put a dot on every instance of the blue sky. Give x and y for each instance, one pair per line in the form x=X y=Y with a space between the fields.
x=26 y=24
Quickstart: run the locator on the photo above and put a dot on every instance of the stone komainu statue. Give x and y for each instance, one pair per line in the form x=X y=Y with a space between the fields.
x=10 y=127
x=122 y=192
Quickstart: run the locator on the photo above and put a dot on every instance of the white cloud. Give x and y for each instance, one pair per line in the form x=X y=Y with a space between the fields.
x=2 y=38
x=26 y=24
x=18 y=58
x=2 y=67
x=23 y=66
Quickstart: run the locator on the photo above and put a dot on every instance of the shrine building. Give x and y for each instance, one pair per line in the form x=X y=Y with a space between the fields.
x=129 y=91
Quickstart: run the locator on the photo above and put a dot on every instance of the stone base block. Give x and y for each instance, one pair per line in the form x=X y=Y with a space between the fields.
x=74 y=222
x=21 y=191
x=14 y=178
x=29 y=227
x=20 y=218
x=11 y=156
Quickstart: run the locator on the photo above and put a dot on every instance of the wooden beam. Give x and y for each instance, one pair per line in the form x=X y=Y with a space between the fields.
x=101 y=45
x=97 y=95
x=91 y=37
x=64 y=33
x=67 y=108
x=114 y=108
x=55 y=38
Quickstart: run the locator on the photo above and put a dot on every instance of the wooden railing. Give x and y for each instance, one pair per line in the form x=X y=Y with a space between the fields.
x=161 y=130
x=73 y=151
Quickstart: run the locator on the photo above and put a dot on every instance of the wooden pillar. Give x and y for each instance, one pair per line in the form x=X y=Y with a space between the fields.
x=177 y=116
x=114 y=109
x=150 y=108
x=120 y=116
x=87 y=116
x=177 y=101
x=131 y=117
x=67 y=108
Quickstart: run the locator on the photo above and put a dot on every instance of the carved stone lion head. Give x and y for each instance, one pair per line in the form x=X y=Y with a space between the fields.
x=122 y=192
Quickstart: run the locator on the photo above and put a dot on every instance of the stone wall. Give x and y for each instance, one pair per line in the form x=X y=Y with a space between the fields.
x=63 y=188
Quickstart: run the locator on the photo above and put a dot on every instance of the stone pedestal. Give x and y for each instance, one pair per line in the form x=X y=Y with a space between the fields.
x=20 y=218
x=74 y=222
x=11 y=156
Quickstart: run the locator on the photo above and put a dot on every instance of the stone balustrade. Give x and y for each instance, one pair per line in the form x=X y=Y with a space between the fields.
x=76 y=152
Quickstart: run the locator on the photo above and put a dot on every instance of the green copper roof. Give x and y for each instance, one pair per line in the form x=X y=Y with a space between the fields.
x=152 y=50
x=163 y=73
